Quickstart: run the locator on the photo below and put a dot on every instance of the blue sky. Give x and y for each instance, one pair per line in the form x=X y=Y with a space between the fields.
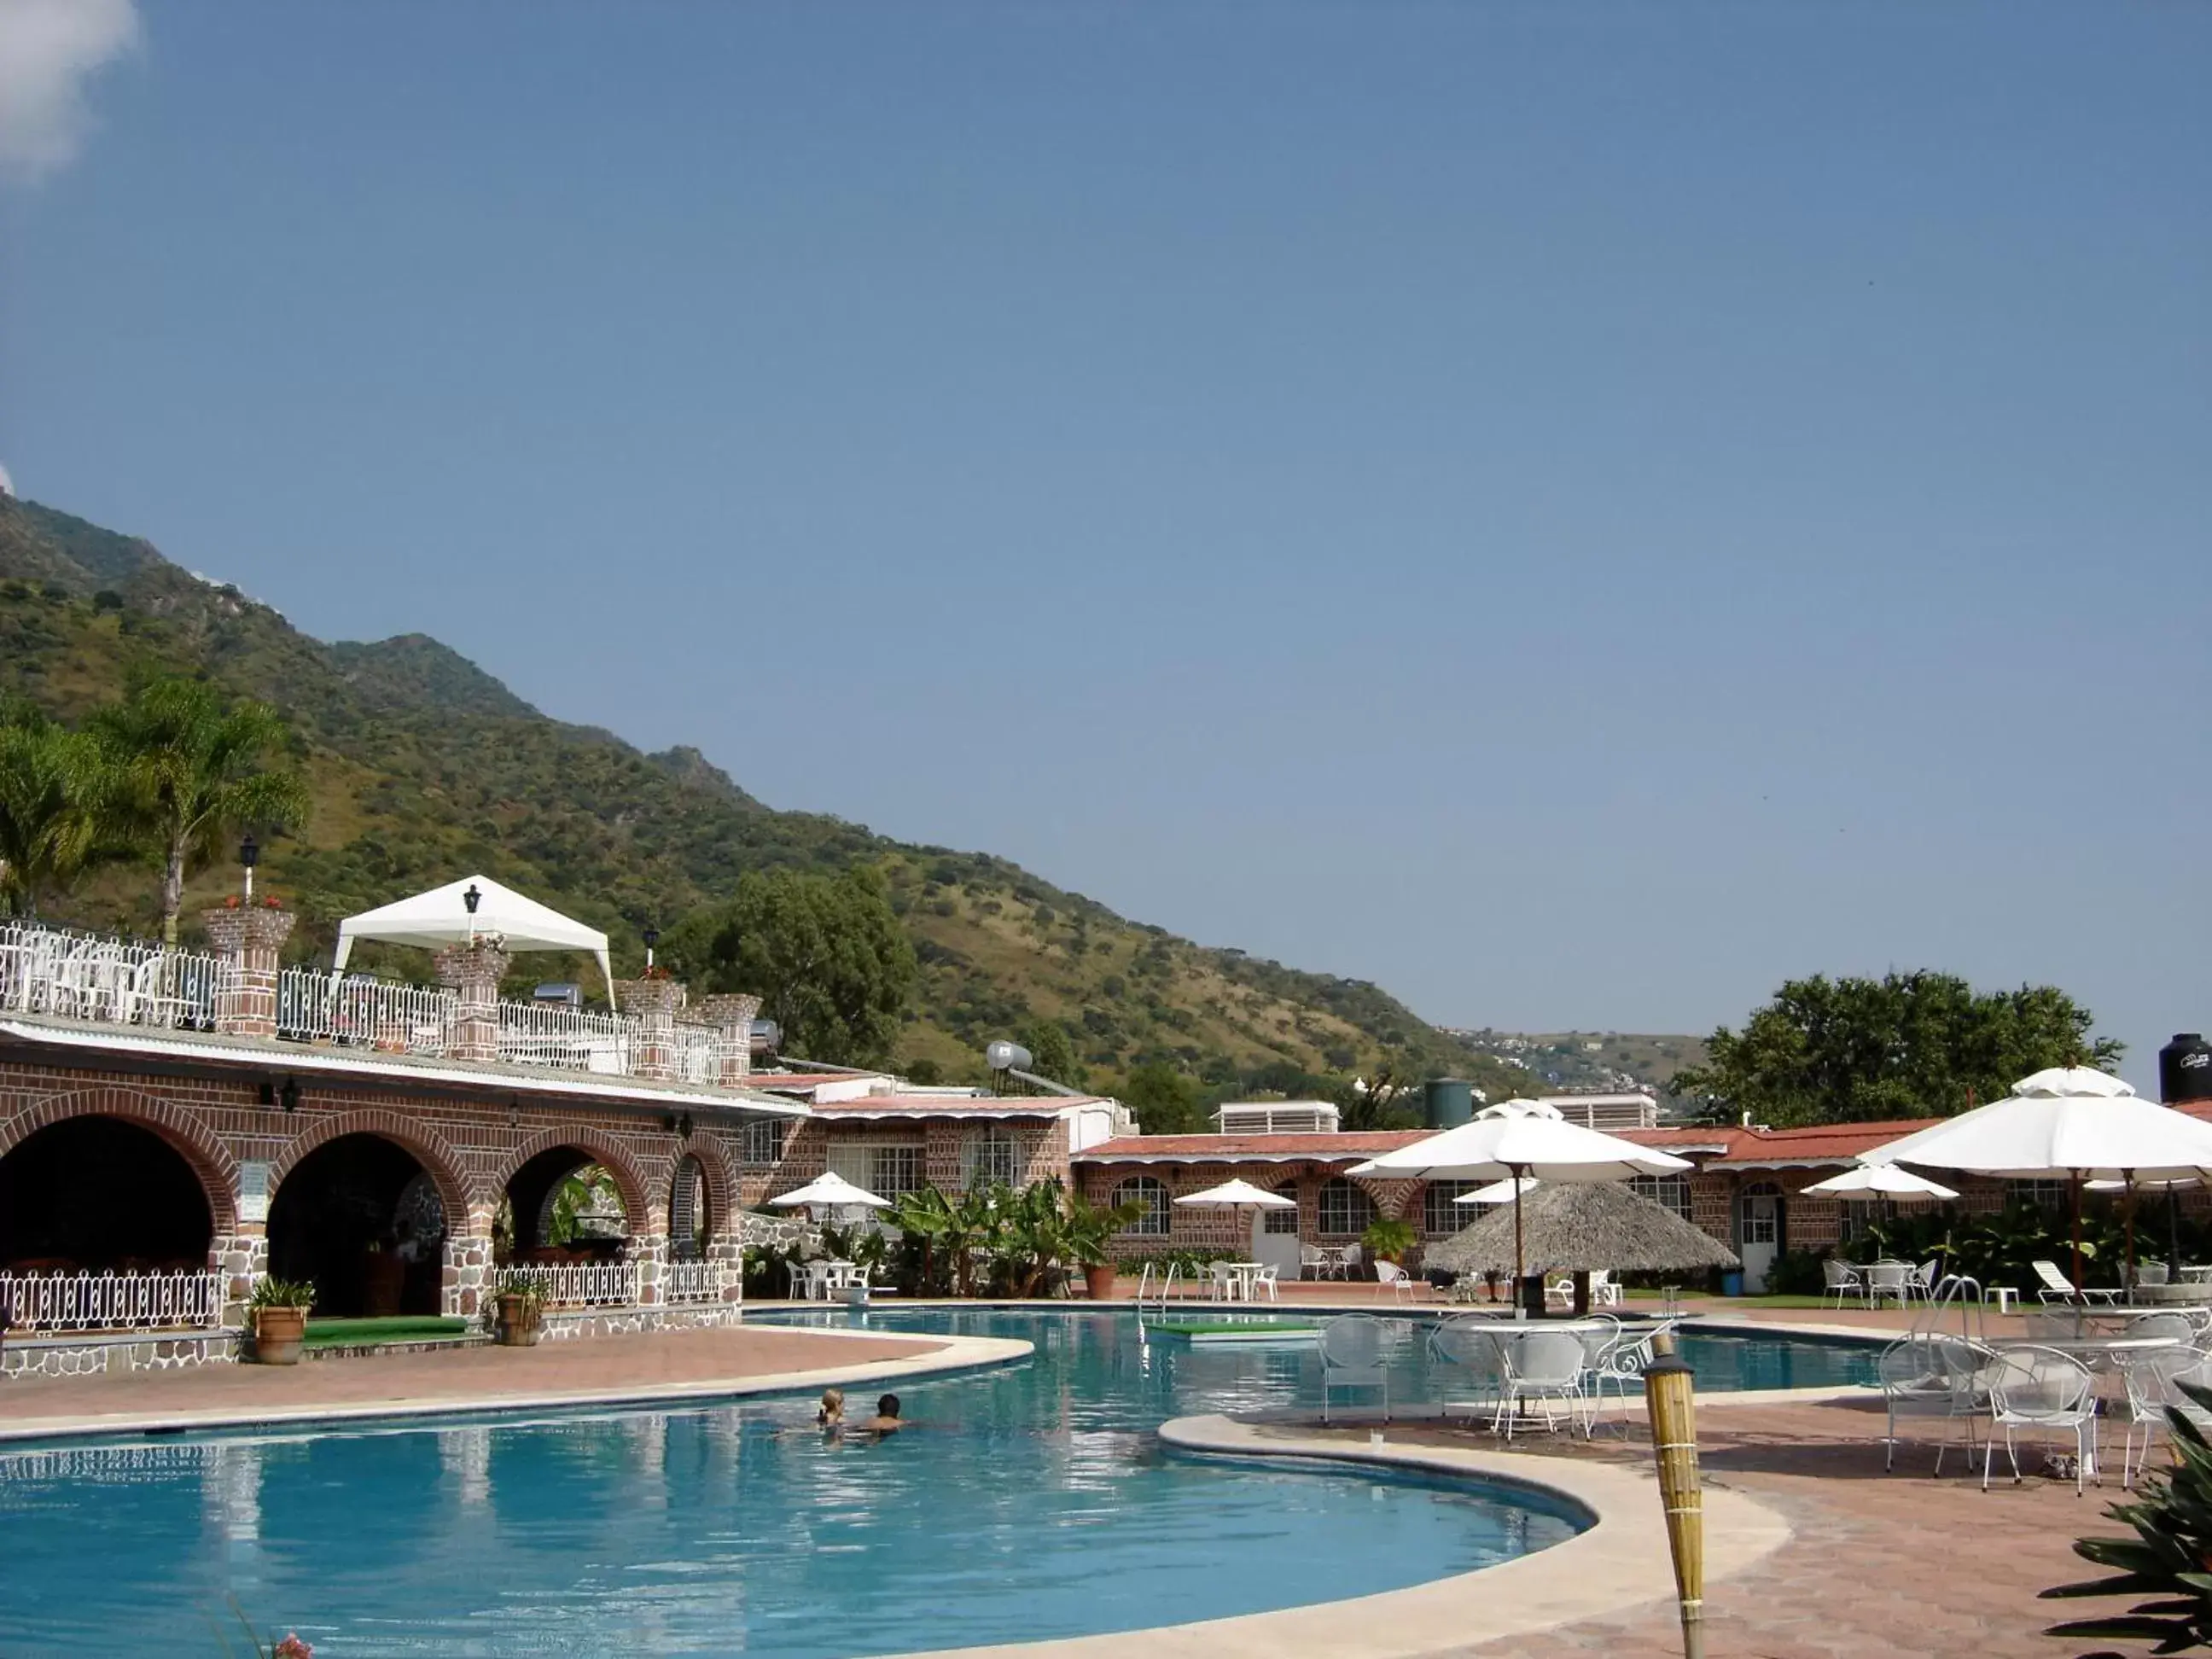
x=1577 y=513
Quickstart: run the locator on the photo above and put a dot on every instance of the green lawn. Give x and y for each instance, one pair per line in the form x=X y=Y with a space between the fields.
x=355 y=1333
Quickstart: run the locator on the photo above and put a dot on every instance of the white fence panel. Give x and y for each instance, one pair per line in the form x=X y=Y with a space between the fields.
x=113 y=1302
x=692 y=1282
x=580 y=1283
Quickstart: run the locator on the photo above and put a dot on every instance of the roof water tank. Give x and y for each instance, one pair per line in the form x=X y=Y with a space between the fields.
x=1447 y=1102
x=1008 y=1057
x=2184 y=1069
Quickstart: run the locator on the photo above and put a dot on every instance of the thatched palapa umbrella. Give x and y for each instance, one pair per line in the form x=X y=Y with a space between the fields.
x=1578 y=1227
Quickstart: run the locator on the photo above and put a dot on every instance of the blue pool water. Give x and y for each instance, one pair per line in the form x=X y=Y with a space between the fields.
x=1027 y=1501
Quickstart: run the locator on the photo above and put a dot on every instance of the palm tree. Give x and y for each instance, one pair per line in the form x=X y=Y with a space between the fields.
x=192 y=772
x=53 y=797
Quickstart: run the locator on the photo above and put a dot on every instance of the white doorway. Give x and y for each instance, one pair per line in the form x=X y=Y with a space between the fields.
x=1275 y=1236
x=1758 y=1234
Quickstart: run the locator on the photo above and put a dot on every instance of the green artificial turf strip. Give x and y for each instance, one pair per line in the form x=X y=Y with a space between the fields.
x=409 y=1327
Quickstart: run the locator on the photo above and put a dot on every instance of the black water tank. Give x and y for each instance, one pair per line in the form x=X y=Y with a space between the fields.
x=2184 y=1069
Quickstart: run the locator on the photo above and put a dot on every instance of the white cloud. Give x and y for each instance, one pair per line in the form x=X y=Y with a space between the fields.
x=7 y=483
x=48 y=50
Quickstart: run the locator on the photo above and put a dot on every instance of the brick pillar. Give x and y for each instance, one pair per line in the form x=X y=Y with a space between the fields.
x=248 y=941
x=474 y=972
x=735 y=1015
x=652 y=1005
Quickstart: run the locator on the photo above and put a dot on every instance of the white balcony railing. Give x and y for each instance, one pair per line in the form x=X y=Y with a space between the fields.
x=692 y=1282
x=580 y=1283
x=54 y=970
x=184 y=1300
x=565 y=1038
x=400 y=1020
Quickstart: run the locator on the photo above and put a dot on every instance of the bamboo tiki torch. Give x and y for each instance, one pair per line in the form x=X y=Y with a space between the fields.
x=1668 y=1396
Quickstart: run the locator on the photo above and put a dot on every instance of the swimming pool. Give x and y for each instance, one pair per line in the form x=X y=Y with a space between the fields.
x=1027 y=1501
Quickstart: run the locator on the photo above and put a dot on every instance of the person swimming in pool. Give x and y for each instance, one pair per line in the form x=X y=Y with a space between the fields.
x=886 y=1421
x=830 y=1419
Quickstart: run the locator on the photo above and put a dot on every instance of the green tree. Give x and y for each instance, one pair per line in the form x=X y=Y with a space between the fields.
x=1906 y=1045
x=825 y=954
x=1165 y=1102
x=53 y=805
x=192 y=771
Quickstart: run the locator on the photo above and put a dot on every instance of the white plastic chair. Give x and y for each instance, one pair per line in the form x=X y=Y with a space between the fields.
x=2151 y=1272
x=1265 y=1280
x=1542 y=1367
x=1348 y=1260
x=1605 y=1289
x=2056 y=1288
x=1402 y=1283
x=1352 y=1357
x=1840 y=1280
x=1314 y=1262
x=1922 y=1279
x=2039 y=1391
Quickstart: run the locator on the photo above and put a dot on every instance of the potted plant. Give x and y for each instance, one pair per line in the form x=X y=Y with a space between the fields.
x=1086 y=1230
x=521 y=1304
x=280 y=1319
x=1388 y=1240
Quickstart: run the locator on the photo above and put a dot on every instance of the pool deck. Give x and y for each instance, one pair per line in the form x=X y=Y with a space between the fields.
x=660 y=1367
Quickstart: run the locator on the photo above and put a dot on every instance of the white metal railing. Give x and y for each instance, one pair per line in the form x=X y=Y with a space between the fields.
x=565 y=1038
x=57 y=970
x=312 y=1006
x=112 y=1301
x=580 y=1283
x=692 y=1281
x=697 y=1053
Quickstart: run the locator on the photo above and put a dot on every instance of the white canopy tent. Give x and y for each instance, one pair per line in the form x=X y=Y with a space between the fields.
x=441 y=916
x=1871 y=1183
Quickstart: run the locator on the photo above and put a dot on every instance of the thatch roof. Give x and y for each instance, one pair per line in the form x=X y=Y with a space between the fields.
x=1574 y=1226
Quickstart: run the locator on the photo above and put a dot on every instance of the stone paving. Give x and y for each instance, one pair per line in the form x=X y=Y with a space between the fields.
x=456 y=1377
x=1902 y=1565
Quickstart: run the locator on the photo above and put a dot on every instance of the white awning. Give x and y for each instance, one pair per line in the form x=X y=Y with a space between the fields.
x=441 y=917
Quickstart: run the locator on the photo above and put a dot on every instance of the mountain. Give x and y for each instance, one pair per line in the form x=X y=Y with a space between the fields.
x=1587 y=1060
x=423 y=766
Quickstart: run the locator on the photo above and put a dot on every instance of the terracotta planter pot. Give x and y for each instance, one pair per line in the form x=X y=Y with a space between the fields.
x=521 y=1322
x=276 y=1335
x=1100 y=1281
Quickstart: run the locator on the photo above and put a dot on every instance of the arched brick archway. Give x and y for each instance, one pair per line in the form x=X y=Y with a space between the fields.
x=210 y=1160
x=424 y=1145
x=637 y=1198
x=717 y=1158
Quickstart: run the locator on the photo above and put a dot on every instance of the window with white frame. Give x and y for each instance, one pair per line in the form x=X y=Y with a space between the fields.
x=1283 y=1221
x=2049 y=1194
x=990 y=1154
x=1345 y=1209
x=1442 y=1213
x=764 y=1141
x=1668 y=1192
x=884 y=1168
x=1156 y=1221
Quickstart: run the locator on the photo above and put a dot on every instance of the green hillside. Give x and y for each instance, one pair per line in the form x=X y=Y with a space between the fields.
x=424 y=767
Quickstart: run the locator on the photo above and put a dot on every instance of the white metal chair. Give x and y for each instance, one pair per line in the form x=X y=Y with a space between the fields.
x=1623 y=1366
x=1470 y=1343
x=1314 y=1262
x=1542 y=1367
x=1348 y=1261
x=1402 y=1283
x=1840 y=1280
x=1888 y=1278
x=1922 y=1280
x=2152 y=1380
x=1352 y=1357
x=2055 y=1287
x=2040 y=1391
x=1929 y=1375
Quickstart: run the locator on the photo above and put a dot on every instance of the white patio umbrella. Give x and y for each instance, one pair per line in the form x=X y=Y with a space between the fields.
x=1508 y=1144
x=1498 y=1192
x=2067 y=1122
x=1238 y=1195
x=830 y=1191
x=1871 y=1183
x=445 y=915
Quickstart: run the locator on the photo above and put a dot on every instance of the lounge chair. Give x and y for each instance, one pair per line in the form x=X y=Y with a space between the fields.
x=2056 y=1288
x=2040 y=1391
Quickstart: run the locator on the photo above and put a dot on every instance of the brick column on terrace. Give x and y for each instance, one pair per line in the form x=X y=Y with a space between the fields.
x=734 y=1014
x=651 y=1005
x=248 y=941
x=474 y=972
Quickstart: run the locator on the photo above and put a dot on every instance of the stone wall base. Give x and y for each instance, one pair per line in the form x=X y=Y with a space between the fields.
x=140 y=1351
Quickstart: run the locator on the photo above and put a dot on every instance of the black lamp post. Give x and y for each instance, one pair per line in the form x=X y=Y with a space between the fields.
x=652 y=939
x=249 y=855
x=472 y=899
